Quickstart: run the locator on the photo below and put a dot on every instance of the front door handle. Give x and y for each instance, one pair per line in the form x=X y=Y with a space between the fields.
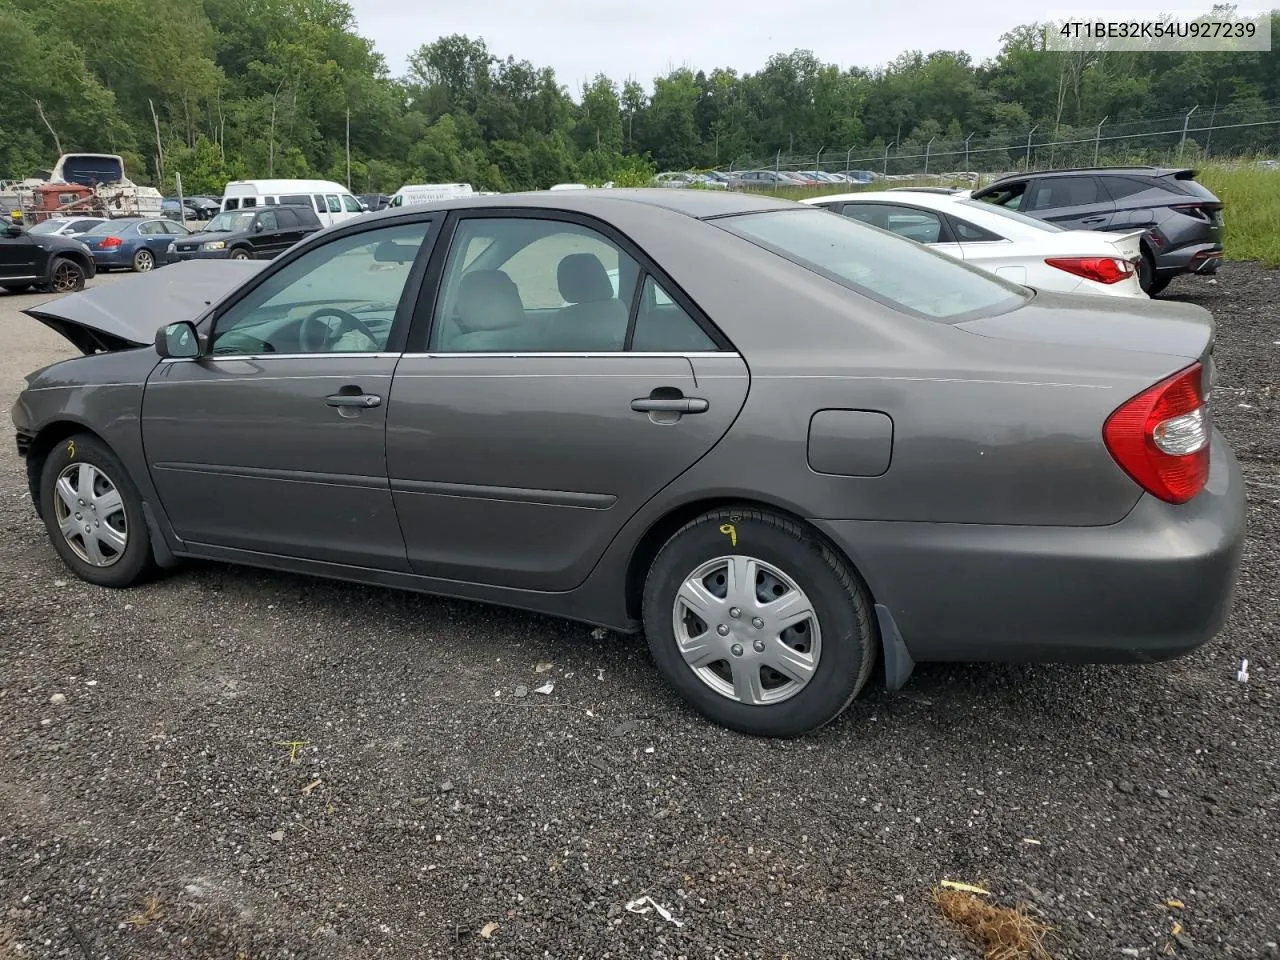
x=362 y=400
x=1094 y=220
x=669 y=405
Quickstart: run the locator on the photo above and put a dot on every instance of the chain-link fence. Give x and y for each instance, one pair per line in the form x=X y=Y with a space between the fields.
x=1203 y=132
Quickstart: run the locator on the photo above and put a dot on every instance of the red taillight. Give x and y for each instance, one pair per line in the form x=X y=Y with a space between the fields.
x=110 y=243
x=1161 y=437
x=1100 y=269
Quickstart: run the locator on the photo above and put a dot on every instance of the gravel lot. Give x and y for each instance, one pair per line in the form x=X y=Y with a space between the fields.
x=150 y=806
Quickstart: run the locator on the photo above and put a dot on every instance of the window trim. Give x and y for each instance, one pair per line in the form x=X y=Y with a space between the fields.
x=422 y=326
x=400 y=325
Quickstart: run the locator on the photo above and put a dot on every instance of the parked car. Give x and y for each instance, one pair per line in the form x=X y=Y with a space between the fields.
x=375 y=201
x=247 y=234
x=172 y=209
x=1182 y=218
x=931 y=463
x=333 y=203
x=45 y=261
x=65 y=226
x=1009 y=244
x=765 y=179
x=196 y=208
x=135 y=243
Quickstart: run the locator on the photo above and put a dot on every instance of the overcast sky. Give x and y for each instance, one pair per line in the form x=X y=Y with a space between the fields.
x=625 y=38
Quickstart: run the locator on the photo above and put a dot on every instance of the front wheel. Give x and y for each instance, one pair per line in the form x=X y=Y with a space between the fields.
x=93 y=513
x=144 y=260
x=240 y=254
x=758 y=624
x=68 y=276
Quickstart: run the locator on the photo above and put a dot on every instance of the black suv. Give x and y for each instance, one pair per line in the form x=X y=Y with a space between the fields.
x=46 y=261
x=1182 y=219
x=251 y=234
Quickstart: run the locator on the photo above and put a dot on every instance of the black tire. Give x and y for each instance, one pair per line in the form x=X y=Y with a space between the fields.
x=1158 y=285
x=1146 y=272
x=843 y=609
x=144 y=261
x=239 y=253
x=66 y=276
x=16 y=287
x=135 y=562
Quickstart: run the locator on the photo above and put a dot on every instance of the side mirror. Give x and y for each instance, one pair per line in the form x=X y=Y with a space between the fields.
x=257 y=226
x=178 y=341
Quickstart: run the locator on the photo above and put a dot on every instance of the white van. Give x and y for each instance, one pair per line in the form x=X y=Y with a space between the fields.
x=332 y=202
x=412 y=194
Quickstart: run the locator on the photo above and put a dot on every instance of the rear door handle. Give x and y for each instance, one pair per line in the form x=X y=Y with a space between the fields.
x=1094 y=220
x=363 y=400
x=669 y=405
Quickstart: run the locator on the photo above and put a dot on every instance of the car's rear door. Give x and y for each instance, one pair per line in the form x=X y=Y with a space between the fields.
x=537 y=408
x=274 y=442
x=1073 y=202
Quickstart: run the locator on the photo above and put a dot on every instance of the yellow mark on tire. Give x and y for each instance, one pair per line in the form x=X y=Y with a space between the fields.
x=730 y=531
x=71 y=449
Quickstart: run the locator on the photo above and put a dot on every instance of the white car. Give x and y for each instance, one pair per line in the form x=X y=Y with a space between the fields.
x=1001 y=241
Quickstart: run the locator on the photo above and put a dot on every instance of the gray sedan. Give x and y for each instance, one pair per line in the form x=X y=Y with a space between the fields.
x=783 y=443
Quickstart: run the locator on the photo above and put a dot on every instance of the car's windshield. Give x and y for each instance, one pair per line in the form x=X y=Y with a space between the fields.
x=895 y=271
x=1013 y=215
x=231 y=222
x=49 y=226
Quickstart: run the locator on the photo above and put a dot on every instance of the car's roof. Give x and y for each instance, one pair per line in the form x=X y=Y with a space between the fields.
x=1140 y=171
x=698 y=204
x=935 y=201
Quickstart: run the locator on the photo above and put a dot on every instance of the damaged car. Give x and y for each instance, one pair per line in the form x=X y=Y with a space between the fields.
x=783 y=444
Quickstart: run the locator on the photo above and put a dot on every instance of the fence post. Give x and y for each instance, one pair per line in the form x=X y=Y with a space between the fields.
x=1030 y=134
x=847 y=159
x=817 y=162
x=777 y=164
x=1185 y=120
x=966 y=152
x=1097 y=140
x=927 y=146
x=885 y=172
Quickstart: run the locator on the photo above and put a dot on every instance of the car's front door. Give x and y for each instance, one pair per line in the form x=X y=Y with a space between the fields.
x=543 y=406
x=18 y=257
x=273 y=441
x=264 y=235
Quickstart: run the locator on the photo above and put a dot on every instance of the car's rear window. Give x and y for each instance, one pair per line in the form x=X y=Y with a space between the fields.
x=892 y=270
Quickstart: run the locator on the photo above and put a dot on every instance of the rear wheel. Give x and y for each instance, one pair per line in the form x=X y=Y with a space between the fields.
x=758 y=624
x=68 y=276
x=93 y=513
x=144 y=260
x=1151 y=282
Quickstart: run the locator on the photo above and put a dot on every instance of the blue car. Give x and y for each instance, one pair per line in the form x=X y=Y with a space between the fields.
x=135 y=243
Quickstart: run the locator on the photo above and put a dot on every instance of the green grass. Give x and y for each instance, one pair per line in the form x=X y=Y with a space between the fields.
x=1250 y=195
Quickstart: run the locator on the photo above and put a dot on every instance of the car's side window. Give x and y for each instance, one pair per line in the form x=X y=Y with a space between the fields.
x=153 y=228
x=1011 y=195
x=527 y=285
x=350 y=204
x=249 y=202
x=922 y=226
x=233 y=204
x=335 y=205
x=967 y=232
x=268 y=220
x=1121 y=187
x=321 y=207
x=1053 y=193
x=663 y=326
x=176 y=229
x=340 y=297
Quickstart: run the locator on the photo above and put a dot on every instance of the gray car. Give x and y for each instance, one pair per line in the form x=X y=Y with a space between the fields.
x=785 y=445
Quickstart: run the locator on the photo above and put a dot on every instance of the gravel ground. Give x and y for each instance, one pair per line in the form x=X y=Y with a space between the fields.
x=150 y=805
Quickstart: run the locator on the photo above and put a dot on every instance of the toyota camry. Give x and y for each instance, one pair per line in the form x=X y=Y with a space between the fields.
x=786 y=445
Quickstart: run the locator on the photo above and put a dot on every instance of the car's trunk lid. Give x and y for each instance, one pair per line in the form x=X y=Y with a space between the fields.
x=1182 y=332
x=127 y=314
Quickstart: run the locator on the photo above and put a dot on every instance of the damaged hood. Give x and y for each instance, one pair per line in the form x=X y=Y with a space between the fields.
x=125 y=314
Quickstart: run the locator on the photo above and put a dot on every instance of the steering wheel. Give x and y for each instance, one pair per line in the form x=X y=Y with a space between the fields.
x=315 y=335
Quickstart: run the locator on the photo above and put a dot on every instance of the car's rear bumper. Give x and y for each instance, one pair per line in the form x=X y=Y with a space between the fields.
x=1201 y=258
x=1154 y=586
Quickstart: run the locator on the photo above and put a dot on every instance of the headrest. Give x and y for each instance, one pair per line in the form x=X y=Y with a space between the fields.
x=582 y=279
x=488 y=300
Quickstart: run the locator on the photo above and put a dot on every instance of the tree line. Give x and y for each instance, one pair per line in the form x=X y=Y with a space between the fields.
x=227 y=89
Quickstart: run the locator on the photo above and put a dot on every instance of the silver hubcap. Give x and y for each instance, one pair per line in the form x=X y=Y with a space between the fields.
x=144 y=261
x=747 y=630
x=90 y=514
